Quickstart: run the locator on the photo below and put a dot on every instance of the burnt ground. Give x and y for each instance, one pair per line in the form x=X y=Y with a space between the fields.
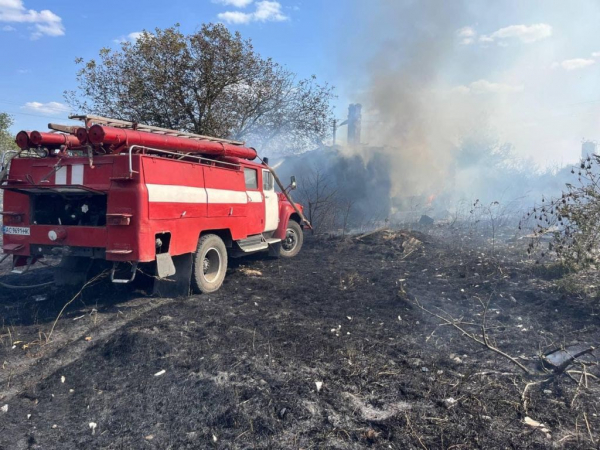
x=241 y=368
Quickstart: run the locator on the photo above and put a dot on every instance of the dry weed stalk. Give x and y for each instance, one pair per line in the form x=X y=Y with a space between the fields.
x=484 y=341
x=527 y=386
x=587 y=423
x=414 y=433
x=88 y=283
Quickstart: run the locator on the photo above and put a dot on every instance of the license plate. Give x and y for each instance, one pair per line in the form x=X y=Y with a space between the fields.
x=20 y=231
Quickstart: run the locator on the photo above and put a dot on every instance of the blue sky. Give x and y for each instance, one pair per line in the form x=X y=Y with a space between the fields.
x=531 y=68
x=37 y=67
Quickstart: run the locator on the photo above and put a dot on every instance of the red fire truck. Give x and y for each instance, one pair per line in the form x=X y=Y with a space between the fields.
x=146 y=199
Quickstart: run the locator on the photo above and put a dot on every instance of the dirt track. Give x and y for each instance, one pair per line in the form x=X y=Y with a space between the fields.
x=241 y=367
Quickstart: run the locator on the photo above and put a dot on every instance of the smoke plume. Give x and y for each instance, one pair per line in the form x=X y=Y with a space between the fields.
x=427 y=106
x=409 y=108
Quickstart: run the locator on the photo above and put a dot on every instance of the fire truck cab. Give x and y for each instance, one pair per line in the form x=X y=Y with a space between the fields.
x=167 y=204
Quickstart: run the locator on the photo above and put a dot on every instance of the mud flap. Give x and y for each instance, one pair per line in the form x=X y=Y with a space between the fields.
x=275 y=249
x=164 y=265
x=178 y=284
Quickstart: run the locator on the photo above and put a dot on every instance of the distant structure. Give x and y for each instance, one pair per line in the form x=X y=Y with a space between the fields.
x=354 y=123
x=588 y=148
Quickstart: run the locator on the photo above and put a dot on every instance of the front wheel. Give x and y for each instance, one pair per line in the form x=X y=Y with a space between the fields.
x=292 y=243
x=209 y=264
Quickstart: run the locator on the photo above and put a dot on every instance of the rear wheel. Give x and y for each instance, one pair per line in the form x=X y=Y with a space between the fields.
x=292 y=242
x=209 y=264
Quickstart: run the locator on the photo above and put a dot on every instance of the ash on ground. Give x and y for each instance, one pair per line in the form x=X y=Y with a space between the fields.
x=352 y=344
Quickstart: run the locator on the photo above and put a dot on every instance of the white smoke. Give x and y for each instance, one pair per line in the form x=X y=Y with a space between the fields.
x=448 y=122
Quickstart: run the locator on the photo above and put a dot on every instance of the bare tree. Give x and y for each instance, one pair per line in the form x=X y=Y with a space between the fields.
x=346 y=208
x=316 y=191
x=211 y=82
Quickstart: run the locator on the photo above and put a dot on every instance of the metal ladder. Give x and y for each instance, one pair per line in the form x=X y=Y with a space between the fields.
x=116 y=123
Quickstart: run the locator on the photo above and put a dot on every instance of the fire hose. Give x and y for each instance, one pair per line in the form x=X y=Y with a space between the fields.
x=33 y=286
x=16 y=287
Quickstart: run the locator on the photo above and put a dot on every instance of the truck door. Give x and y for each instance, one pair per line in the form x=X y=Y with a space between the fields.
x=256 y=209
x=226 y=192
x=271 y=201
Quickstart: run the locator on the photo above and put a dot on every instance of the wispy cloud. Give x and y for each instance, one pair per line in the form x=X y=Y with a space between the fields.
x=488 y=87
x=8 y=28
x=235 y=3
x=466 y=35
x=45 y=22
x=574 y=64
x=525 y=33
x=50 y=108
x=131 y=37
x=266 y=11
x=235 y=17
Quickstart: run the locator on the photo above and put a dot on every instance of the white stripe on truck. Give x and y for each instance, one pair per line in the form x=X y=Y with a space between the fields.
x=255 y=196
x=226 y=196
x=61 y=175
x=165 y=193
x=77 y=174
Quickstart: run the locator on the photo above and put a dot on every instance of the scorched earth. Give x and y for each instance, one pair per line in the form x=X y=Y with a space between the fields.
x=390 y=340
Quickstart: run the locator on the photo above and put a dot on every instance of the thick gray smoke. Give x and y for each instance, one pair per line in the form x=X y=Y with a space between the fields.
x=425 y=109
x=439 y=112
x=405 y=103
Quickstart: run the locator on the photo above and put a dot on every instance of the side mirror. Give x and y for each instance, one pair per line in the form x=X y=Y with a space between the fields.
x=293 y=184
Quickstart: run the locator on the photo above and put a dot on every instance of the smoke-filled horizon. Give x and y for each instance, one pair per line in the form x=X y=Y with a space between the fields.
x=465 y=99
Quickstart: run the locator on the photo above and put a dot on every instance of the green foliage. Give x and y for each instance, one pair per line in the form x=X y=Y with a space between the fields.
x=7 y=140
x=211 y=82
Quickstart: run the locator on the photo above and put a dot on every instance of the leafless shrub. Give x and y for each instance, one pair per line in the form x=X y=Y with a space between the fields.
x=318 y=194
x=327 y=206
x=493 y=216
x=567 y=226
x=346 y=209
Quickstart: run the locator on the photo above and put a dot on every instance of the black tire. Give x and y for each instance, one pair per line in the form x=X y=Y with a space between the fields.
x=209 y=264
x=294 y=238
